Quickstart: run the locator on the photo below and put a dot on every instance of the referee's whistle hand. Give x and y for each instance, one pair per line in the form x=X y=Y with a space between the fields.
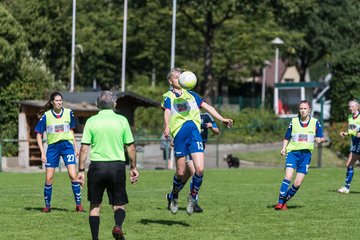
x=134 y=174
x=81 y=178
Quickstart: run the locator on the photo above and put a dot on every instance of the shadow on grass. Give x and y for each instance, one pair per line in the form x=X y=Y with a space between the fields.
x=288 y=206
x=180 y=208
x=38 y=209
x=351 y=192
x=163 y=222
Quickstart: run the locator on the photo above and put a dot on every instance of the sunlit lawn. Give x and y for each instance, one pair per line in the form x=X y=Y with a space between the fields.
x=273 y=157
x=238 y=204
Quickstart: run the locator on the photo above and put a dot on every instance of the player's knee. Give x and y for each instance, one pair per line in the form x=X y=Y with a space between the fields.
x=288 y=176
x=199 y=171
x=95 y=209
x=297 y=183
x=350 y=164
x=49 y=180
x=73 y=178
x=180 y=174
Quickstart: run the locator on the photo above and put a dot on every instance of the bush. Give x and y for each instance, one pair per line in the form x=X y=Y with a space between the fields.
x=254 y=126
x=338 y=144
x=149 y=122
x=250 y=126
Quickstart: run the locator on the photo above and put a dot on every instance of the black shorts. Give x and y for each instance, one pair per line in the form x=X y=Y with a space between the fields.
x=168 y=154
x=110 y=176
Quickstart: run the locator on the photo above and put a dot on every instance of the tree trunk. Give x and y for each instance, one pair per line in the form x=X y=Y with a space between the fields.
x=211 y=85
x=302 y=66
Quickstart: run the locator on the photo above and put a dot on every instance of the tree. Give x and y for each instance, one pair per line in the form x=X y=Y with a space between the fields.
x=206 y=17
x=322 y=28
x=12 y=47
x=22 y=77
x=235 y=36
x=47 y=30
x=345 y=83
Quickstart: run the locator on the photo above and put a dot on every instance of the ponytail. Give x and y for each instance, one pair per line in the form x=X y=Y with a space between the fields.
x=48 y=105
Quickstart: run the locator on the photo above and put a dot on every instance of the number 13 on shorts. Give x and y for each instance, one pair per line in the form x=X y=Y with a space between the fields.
x=200 y=145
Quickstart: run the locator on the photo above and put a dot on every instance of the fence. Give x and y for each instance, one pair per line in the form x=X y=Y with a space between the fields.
x=237 y=103
x=150 y=156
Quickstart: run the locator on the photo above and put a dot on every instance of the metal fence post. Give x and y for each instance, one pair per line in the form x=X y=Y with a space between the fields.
x=217 y=154
x=319 y=162
x=0 y=155
x=240 y=102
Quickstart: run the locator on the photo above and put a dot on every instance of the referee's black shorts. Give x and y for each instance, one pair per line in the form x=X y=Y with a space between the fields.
x=110 y=176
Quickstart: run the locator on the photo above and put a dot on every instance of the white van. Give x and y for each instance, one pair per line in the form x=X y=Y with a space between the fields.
x=316 y=104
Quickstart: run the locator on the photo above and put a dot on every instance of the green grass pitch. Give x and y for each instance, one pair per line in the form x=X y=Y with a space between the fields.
x=237 y=203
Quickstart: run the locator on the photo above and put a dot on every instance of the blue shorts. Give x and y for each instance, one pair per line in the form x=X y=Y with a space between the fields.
x=188 y=140
x=299 y=160
x=189 y=158
x=355 y=146
x=65 y=149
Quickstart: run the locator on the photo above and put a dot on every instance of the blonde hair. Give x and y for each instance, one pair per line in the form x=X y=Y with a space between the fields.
x=356 y=102
x=173 y=70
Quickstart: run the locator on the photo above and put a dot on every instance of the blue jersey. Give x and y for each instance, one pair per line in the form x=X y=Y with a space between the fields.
x=319 y=132
x=205 y=119
x=62 y=148
x=41 y=125
x=198 y=99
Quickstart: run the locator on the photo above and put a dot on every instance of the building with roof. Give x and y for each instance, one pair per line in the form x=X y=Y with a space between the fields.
x=83 y=104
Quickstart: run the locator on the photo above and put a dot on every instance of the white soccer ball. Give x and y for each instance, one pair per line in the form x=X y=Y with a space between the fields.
x=187 y=80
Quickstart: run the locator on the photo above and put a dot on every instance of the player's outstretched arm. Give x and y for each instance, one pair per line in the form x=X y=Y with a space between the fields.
x=319 y=140
x=283 y=150
x=228 y=122
x=343 y=134
x=41 y=147
x=215 y=129
x=75 y=145
x=167 y=115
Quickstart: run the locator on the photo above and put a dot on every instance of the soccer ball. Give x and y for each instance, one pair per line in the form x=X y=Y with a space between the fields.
x=187 y=80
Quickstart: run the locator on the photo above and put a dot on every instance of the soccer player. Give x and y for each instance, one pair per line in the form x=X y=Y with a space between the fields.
x=107 y=133
x=58 y=123
x=298 y=146
x=207 y=122
x=354 y=133
x=182 y=121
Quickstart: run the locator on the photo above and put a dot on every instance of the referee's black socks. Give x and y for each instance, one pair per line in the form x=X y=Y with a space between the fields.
x=119 y=216
x=94 y=226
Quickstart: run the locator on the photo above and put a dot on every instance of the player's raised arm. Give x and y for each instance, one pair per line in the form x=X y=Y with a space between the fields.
x=227 y=121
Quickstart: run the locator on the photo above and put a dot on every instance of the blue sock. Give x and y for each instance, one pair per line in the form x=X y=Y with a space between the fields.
x=292 y=191
x=283 y=190
x=47 y=194
x=349 y=176
x=177 y=186
x=191 y=189
x=191 y=185
x=196 y=182
x=77 y=192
